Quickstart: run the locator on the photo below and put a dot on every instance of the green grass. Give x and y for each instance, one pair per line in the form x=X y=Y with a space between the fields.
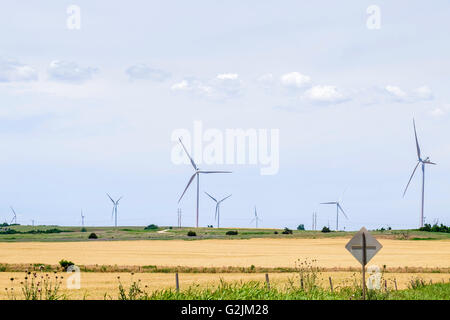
x=138 y=233
x=258 y=291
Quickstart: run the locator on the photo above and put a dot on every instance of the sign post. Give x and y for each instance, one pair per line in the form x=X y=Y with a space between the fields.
x=363 y=246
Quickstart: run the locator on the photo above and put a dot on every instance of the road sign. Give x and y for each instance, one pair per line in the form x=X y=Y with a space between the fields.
x=355 y=246
x=363 y=246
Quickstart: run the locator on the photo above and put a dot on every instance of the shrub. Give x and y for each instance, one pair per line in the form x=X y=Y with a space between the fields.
x=65 y=264
x=287 y=231
x=191 y=234
x=231 y=233
x=301 y=227
x=435 y=228
x=83 y=229
x=151 y=227
x=275 y=232
x=92 y=236
x=326 y=229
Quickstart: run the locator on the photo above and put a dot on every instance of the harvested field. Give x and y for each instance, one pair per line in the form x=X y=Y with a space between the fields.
x=329 y=253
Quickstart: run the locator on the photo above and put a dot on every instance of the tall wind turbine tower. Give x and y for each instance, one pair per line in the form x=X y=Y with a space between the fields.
x=14 y=219
x=256 y=218
x=196 y=175
x=114 y=210
x=338 y=209
x=82 y=218
x=218 y=202
x=423 y=162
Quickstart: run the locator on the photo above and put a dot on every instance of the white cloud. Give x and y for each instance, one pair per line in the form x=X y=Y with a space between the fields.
x=424 y=93
x=324 y=94
x=441 y=110
x=295 y=80
x=11 y=70
x=228 y=76
x=396 y=92
x=69 y=71
x=143 y=72
x=223 y=86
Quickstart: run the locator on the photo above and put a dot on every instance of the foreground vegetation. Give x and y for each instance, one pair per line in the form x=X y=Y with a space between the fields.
x=259 y=291
x=17 y=233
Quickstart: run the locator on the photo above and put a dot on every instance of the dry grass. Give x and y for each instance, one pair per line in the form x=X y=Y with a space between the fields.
x=271 y=253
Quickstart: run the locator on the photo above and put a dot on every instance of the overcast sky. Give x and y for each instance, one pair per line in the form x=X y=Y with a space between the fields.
x=92 y=110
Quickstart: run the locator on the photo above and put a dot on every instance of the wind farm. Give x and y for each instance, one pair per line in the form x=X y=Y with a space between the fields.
x=225 y=151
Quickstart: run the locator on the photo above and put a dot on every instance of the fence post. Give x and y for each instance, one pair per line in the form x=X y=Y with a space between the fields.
x=267 y=281
x=331 y=284
x=177 y=283
x=385 y=285
x=395 y=283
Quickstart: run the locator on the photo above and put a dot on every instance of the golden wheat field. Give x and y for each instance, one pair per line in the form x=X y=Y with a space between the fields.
x=105 y=285
x=329 y=253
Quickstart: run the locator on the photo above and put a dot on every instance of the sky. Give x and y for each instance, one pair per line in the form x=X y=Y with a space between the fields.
x=93 y=93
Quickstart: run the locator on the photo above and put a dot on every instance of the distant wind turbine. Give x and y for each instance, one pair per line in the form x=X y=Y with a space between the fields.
x=256 y=219
x=424 y=163
x=14 y=219
x=82 y=218
x=338 y=208
x=217 y=213
x=114 y=210
x=196 y=175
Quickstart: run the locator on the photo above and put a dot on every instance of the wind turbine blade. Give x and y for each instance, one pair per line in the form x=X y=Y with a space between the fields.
x=111 y=198
x=412 y=175
x=334 y=202
x=210 y=196
x=429 y=162
x=417 y=140
x=119 y=199
x=225 y=198
x=189 y=183
x=252 y=221
x=13 y=210
x=203 y=171
x=342 y=196
x=190 y=158
x=342 y=210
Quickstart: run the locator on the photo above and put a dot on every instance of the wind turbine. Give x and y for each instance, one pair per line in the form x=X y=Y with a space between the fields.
x=424 y=163
x=256 y=218
x=217 y=213
x=114 y=210
x=14 y=219
x=196 y=175
x=82 y=218
x=338 y=208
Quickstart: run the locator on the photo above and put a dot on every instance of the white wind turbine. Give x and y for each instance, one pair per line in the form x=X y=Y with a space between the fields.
x=114 y=210
x=196 y=175
x=424 y=163
x=14 y=219
x=82 y=218
x=256 y=218
x=217 y=213
x=338 y=208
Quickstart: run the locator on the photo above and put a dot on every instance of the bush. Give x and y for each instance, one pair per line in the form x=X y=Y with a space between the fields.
x=191 y=234
x=231 y=233
x=287 y=231
x=92 y=236
x=301 y=227
x=326 y=229
x=275 y=232
x=83 y=229
x=151 y=227
x=65 y=264
x=435 y=228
